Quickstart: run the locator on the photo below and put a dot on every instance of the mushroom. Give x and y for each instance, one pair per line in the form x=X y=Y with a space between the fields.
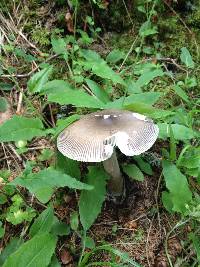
x=93 y=139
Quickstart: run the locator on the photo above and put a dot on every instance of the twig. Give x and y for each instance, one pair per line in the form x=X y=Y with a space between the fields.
x=19 y=104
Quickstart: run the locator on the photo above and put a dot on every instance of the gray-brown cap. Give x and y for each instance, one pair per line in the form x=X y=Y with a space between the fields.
x=93 y=137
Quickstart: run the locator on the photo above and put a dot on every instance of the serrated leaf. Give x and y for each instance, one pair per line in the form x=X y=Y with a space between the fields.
x=42 y=223
x=43 y=183
x=133 y=172
x=39 y=79
x=35 y=252
x=62 y=93
x=21 y=128
x=9 y=249
x=114 y=56
x=178 y=187
x=91 y=201
x=180 y=132
x=99 y=92
x=59 y=46
x=99 y=67
x=186 y=58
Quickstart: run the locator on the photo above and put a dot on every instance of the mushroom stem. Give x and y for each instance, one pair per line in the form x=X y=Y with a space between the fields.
x=116 y=182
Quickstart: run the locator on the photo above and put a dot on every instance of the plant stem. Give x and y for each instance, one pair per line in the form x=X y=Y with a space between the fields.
x=116 y=182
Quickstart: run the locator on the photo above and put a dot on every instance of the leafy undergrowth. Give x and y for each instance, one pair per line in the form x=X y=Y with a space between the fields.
x=54 y=210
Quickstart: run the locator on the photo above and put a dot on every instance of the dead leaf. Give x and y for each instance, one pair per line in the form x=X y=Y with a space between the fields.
x=65 y=256
x=69 y=21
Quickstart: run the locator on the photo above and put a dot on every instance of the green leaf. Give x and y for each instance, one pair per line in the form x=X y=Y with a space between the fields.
x=35 y=252
x=39 y=79
x=54 y=262
x=99 y=93
x=74 y=221
x=91 y=201
x=181 y=93
x=147 y=29
x=148 y=98
x=21 y=128
x=43 y=223
x=177 y=185
x=5 y=86
x=133 y=172
x=2 y=230
x=59 y=46
x=148 y=76
x=148 y=110
x=60 y=228
x=99 y=67
x=180 y=132
x=3 y=104
x=68 y=166
x=114 y=56
x=46 y=154
x=43 y=183
x=61 y=92
x=9 y=249
x=196 y=244
x=144 y=166
x=186 y=58
x=61 y=124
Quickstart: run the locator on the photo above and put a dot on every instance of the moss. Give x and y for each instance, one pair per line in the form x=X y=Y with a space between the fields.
x=41 y=36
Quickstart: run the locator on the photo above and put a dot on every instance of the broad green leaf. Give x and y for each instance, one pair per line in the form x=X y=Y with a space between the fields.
x=21 y=128
x=147 y=29
x=148 y=76
x=148 y=110
x=179 y=91
x=9 y=249
x=180 y=132
x=114 y=56
x=3 y=104
x=91 y=201
x=178 y=187
x=43 y=223
x=5 y=86
x=133 y=172
x=68 y=166
x=99 y=67
x=43 y=183
x=139 y=103
x=37 y=81
x=186 y=58
x=144 y=166
x=62 y=93
x=60 y=228
x=167 y=201
x=35 y=252
x=59 y=46
x=99 y=92
x=148 y=98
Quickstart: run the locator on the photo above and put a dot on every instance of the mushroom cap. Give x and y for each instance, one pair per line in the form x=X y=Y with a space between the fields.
x=93 y=137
